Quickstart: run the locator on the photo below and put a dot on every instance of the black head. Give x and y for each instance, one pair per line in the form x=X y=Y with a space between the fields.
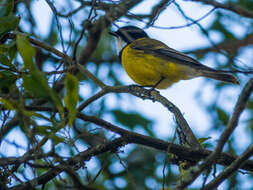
x=129 y=33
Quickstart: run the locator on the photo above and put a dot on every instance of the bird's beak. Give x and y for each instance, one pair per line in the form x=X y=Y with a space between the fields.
x=113 y=33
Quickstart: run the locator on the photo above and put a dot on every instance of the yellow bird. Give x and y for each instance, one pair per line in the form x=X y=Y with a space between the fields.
x=152 y=63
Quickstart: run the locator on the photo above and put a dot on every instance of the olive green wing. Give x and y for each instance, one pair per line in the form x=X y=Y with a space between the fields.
x=159 y=49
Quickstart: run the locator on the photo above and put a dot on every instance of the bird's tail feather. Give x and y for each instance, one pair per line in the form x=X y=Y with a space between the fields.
x=221 y=76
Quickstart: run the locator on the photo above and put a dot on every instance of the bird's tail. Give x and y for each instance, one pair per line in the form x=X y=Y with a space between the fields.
x=220 y=75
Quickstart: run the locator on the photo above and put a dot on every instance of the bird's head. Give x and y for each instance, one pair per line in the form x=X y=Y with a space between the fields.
x=129 y=33
x=125 y=35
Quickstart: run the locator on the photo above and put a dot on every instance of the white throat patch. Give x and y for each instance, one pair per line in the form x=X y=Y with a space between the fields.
x=120 y=44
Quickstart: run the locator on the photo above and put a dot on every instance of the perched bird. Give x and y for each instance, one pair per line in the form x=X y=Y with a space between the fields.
x=152 y=63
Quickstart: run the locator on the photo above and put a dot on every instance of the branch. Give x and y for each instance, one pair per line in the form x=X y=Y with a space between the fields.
x=230 y=169
x=27 y=156
x=154 y=96
x=228 y=6
x=74 y=161
x=97 y=5
x=128 y=137
x=141 y=93
x=240 y=105
x=87 y=73
x=43 y=46
x=182 y=152
x=95 y=30
x=229 y=46
x=157 y=10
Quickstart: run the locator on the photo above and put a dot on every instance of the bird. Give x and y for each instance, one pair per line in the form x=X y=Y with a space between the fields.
x=151 y=63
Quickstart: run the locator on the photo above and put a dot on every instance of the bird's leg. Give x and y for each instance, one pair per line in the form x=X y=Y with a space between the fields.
x=156 y=84
x=152 y=87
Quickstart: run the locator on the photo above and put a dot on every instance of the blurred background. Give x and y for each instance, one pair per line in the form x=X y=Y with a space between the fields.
x=217 y=38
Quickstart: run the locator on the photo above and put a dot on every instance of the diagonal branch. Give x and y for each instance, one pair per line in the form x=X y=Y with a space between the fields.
x=228 y=6
x=232 y=124
x=154 y=96
x=228 y=46
x=128 y=137
x=230 y=169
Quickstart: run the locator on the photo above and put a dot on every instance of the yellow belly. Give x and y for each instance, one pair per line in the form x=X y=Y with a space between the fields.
x=147 y=70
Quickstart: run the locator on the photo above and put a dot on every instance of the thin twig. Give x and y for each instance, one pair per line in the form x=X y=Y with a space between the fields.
x=43 y=46
x=51 y=5
x=157 y=10
x=228 y=6
x=230 y=169
x=87 y=73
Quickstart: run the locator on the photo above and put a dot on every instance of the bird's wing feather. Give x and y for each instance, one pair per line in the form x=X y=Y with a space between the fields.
x=158 y=48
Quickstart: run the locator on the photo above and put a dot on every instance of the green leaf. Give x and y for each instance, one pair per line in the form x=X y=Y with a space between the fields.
x=130 y=119
x=34 y=114
x=218 y=26
x=44 y=130
x=7 y=104
x=26 y=51
x=104 y=47
x=56 y=139
x=8 y=23
x=4 y=60
x=6 y=7
x=4 y=49
x=71 y=97
x=250 y=105
x=36 y=85
x=9 y=50
x=12 y=50
x=223 y=116
x=7 y=81
x=36 y=82
x=202 y=140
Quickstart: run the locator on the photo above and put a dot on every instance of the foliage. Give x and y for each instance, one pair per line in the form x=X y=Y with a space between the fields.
x=52 y=113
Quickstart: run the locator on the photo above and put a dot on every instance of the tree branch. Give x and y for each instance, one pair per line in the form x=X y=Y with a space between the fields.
x=128 y=137
x=194 y=172
x=228 y=46
x=230 y=169
x=74 y=161
x=228 y=6
x=95 y=30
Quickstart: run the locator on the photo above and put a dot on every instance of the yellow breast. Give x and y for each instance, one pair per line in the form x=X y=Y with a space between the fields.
x=146 y=69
